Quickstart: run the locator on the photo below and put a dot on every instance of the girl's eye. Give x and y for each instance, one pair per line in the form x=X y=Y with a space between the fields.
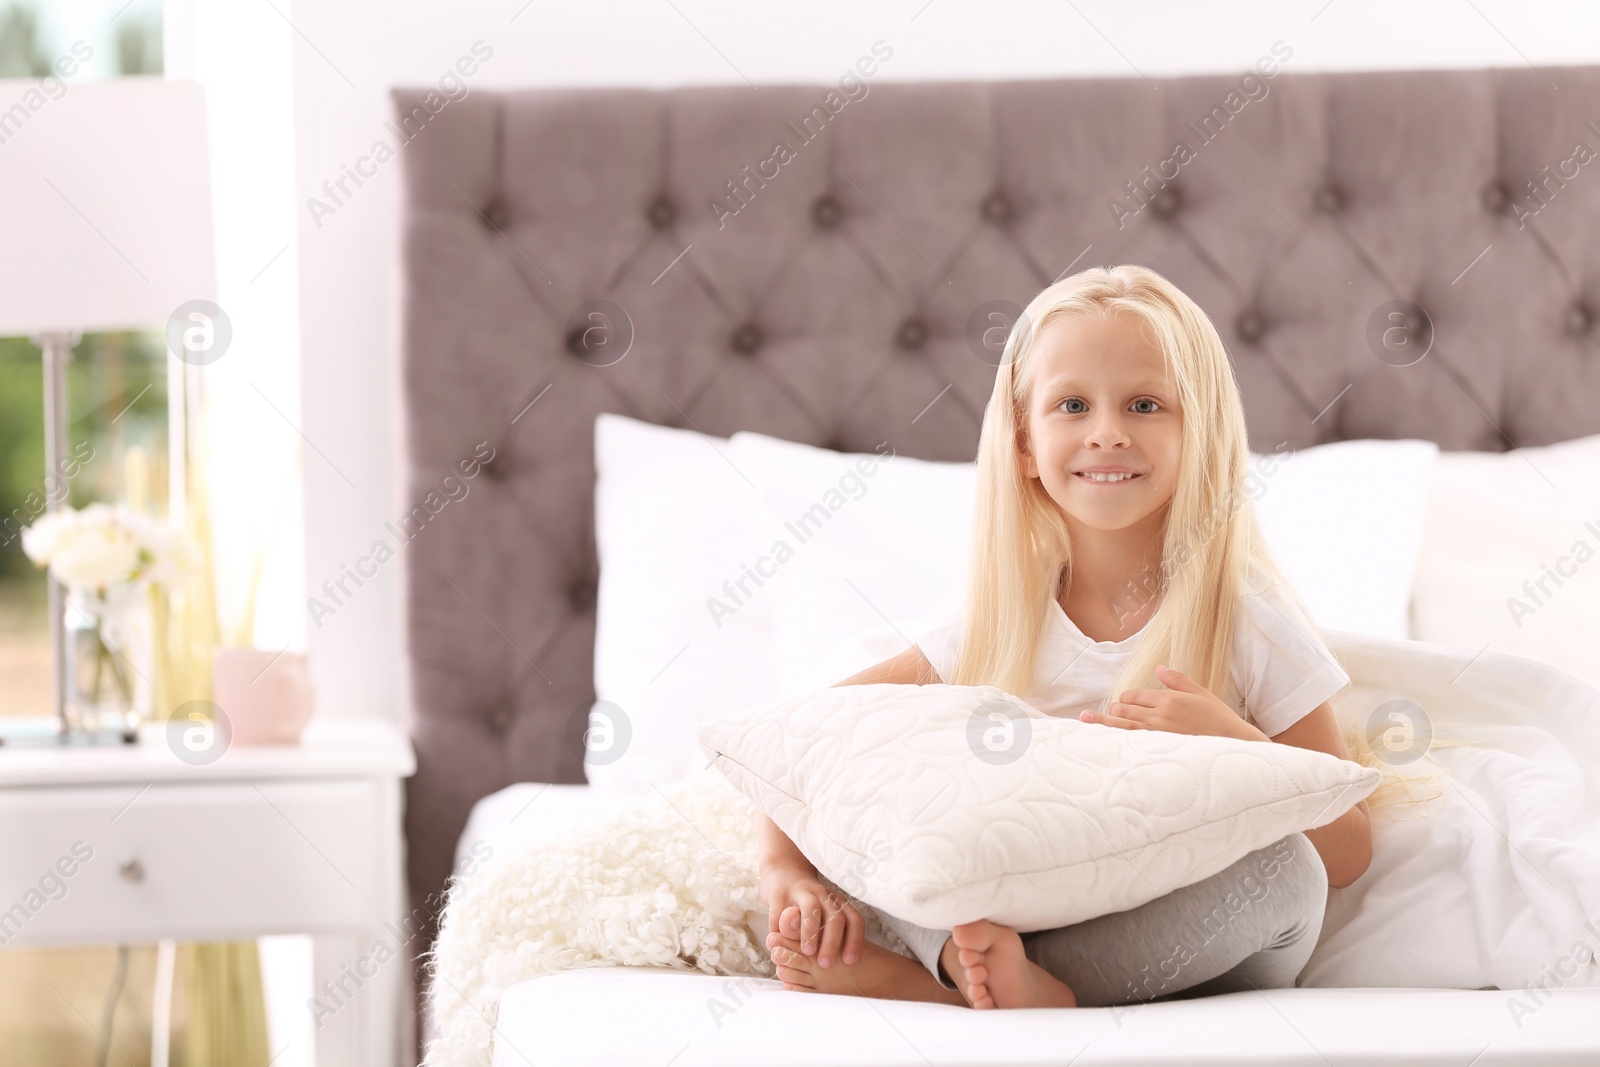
x=1080 y=410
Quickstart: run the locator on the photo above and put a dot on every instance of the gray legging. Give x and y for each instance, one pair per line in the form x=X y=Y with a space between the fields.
x=1251 y=925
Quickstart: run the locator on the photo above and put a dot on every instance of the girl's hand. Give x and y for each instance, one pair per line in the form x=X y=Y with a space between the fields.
x=828 y=922
x=1187 y=707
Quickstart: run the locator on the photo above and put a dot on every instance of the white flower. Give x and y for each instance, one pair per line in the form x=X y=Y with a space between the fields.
x=100 y=548
x=95 y=555
x=39 y=540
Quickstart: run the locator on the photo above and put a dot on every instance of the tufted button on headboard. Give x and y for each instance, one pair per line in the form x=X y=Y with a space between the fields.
x=1329 y=198
x=997 y=208
x=826 y=211
x=1250 y=325
x=663 y=212
x=1496 y=197
x=1166 y=201
x=912 y=334
x=1386 y=254
x=1579 y=319
x=747 y=339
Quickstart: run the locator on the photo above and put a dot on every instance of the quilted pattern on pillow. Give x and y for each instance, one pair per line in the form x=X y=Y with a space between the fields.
x=944 y=804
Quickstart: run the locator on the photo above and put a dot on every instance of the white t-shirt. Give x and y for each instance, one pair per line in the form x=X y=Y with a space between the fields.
x=1281 y=667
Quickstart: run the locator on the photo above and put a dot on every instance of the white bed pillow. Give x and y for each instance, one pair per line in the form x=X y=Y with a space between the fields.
x=944 y=804
x=1499 y=523
x=886 y=544
x=1344 y=521
x=671 y=526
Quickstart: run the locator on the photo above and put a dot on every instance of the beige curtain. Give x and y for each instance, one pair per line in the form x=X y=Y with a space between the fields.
x=227 y=1023
x=227 y=1018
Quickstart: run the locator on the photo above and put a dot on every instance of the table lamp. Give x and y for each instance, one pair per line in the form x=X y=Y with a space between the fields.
x=106 y=191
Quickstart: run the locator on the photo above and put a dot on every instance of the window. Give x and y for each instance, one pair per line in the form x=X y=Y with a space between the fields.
x=117 y=392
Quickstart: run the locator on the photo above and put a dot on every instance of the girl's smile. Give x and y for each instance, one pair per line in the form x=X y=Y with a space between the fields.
x=1107 y=475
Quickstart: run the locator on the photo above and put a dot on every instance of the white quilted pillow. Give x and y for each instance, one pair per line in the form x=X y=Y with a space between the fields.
x=944 y=804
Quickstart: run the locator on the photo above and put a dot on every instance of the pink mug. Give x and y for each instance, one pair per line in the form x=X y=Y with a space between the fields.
x=266 y=695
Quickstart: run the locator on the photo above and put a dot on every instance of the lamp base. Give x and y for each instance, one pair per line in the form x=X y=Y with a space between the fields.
x=45 y=732
x=56 y=348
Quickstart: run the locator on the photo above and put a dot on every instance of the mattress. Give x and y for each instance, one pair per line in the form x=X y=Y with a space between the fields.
x=622 y=1017
x=655 y=1017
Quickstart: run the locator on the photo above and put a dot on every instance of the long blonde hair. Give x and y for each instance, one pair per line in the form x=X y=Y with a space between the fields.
x=1212 y=548
x=1211 y=542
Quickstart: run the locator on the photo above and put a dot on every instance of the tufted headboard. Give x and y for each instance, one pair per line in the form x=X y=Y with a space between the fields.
x=814 y=262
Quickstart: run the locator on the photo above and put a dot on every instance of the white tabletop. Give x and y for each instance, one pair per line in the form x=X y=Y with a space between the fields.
x=330 y=747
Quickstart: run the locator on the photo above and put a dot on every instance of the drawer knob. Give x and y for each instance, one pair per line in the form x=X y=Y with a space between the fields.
x=132 y=872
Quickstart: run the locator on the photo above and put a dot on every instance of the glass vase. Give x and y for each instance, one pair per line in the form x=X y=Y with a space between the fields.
x=105 y=646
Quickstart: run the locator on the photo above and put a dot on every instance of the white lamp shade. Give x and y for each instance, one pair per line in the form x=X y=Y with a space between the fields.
x=105 y=193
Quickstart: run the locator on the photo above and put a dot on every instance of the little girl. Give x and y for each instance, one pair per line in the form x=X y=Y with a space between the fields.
x=1113 y=543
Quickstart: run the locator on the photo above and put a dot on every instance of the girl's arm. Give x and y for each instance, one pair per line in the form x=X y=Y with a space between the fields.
x=1345 y=844
x=829 y=927
x=774 y=850
x=910 y=667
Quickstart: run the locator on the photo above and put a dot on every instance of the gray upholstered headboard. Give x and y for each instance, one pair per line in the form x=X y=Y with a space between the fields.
x=828 y=299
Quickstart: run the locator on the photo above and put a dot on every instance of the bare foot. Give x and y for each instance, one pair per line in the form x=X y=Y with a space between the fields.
x=878 y=973
x=987 y=963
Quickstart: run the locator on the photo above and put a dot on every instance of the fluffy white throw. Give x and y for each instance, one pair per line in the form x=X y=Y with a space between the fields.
x=667 y=884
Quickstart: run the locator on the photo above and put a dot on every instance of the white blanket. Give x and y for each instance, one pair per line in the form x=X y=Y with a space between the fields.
x=1496 y=882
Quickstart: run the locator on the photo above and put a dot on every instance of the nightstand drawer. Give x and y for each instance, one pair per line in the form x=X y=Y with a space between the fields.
x=129 y=863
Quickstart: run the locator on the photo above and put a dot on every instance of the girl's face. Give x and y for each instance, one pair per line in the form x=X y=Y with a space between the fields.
x=1103 y=402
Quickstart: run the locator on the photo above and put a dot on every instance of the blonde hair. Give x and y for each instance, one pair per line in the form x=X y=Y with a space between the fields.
x=1212 y=548
x=1398 y=785
x=1211 y=542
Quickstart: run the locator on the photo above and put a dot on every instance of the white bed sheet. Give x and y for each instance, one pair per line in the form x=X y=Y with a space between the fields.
x=528 y=809
x=622 y=1017
x=652 y=1017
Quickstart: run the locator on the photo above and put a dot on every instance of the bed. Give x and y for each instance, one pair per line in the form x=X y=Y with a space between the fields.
x=833 y=302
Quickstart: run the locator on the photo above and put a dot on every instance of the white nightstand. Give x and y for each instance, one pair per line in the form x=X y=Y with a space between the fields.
x=265 y=840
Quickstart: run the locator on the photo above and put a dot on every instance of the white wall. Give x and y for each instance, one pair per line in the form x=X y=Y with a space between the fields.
x=347 y=53
x=241 y=54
